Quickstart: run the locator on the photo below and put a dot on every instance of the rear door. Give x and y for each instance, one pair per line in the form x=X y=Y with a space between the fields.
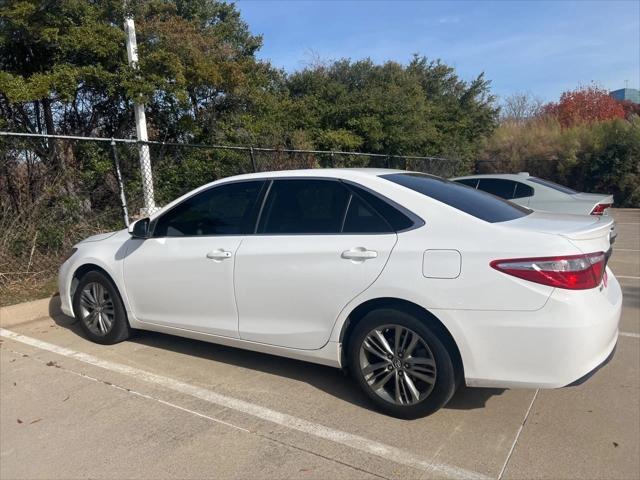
x=317 y=246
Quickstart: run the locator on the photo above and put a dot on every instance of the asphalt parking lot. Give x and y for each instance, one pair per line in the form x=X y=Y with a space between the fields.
x=159 y=406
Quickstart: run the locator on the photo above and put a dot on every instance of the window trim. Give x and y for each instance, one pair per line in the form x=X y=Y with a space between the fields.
x=367 y=205
x=478 y=180
x=266 y=198
x=533 y=190
x=261 y=193
x=346 y=212
x=498 y=179
x=417 y=221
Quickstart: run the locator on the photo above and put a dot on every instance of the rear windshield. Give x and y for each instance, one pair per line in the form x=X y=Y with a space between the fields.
x=555 y=186
x=480 y=204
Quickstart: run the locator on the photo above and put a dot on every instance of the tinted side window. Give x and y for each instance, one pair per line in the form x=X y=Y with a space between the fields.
x=362 y=219
x=394 y=217
x=523 y=191
x=223 y=210
x=304 y=206
x=470 y=182
x=468 y=200
x=498 y=187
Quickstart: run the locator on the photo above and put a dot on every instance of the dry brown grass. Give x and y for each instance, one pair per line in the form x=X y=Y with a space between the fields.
x=37 y=285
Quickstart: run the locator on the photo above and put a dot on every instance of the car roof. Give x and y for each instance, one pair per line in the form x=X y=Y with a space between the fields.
x=506 y=176
x=318 y=172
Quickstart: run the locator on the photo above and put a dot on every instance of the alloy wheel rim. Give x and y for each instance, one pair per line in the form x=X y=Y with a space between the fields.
x=398 y=364
x=97 y=308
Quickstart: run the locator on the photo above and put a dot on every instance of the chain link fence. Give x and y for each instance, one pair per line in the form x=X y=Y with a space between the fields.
x=55 y=191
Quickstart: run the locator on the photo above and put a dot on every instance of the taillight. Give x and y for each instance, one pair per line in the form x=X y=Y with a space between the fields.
x=573 y=272
x=600 y=208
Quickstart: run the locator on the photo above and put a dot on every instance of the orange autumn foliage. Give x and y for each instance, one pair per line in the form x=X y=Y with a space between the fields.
x=584 y=105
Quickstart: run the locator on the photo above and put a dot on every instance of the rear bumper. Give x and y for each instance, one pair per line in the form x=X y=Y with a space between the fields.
x=568 y=339
x=590 y=374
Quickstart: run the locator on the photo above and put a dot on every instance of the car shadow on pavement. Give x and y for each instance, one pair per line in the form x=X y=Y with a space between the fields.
x=330 y=380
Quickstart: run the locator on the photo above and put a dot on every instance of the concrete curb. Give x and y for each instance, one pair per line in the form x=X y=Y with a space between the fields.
x=25 y=312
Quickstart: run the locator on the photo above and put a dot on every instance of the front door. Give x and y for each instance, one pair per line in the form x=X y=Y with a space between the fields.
x=183 y=276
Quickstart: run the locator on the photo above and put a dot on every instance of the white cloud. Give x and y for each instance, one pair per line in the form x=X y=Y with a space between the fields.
x=444 y=20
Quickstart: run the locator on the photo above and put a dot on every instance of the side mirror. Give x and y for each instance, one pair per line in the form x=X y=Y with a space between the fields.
x=140 y=229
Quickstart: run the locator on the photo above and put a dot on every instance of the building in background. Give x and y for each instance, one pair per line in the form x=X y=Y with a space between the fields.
x=630 y=94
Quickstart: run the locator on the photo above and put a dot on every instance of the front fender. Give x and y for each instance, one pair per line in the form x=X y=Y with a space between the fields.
x=105 y=255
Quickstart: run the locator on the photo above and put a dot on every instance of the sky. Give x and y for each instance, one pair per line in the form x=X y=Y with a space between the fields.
x=539 y=47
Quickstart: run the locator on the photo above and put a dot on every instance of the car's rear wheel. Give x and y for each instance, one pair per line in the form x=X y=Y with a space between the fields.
x=401 y=364
x=99 y=310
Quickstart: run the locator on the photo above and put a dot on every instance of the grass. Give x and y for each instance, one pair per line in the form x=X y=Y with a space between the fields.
x=25 y=292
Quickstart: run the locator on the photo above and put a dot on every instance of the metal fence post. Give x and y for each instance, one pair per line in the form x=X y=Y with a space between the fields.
x=147 y=179
x=253 y=160
x=123 y=198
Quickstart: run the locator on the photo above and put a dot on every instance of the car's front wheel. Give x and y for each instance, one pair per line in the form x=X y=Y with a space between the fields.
x=401 y=364
x=99 y=310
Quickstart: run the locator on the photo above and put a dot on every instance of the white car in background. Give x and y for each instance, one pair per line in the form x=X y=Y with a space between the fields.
x=413 y=282
x=539 y=194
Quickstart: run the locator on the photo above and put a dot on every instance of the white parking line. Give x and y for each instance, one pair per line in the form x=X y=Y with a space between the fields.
x=629 y=334
x=356 y=442
x=627 y=277
x=129 y=391
x=626 y=250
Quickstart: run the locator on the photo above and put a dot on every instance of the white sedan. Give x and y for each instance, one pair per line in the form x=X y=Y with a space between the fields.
x=539 y=194
x=412 y=282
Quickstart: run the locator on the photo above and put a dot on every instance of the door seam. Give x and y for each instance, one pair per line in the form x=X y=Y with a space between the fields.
x=235 y=297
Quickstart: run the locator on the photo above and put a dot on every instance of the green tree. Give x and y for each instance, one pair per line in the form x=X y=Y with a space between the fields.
x=63 y=66
x=63 y=70
x=422 y=108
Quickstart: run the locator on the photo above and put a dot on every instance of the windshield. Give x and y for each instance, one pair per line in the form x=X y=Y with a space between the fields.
x=480 y=204
x=555 y=186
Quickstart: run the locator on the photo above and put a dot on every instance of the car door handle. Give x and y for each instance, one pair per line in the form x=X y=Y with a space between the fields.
x=359 y=253
x=219 y=254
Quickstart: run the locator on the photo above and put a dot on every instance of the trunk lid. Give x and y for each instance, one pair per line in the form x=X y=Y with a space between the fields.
x=589 y=233
x=593 y=197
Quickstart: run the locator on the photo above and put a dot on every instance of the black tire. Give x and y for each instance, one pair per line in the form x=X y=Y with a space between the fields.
x=436 y=394
x=119 y=328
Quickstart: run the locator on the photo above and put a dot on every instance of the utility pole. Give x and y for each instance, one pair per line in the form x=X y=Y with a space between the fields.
x=141 y=125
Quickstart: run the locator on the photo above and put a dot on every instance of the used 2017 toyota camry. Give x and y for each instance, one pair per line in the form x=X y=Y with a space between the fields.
x=413 y=282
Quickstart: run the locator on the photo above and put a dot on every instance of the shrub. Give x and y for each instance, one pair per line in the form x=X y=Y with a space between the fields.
x=600 y=157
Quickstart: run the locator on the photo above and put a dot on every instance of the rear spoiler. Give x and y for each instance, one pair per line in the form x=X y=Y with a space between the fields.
x=605 y=226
